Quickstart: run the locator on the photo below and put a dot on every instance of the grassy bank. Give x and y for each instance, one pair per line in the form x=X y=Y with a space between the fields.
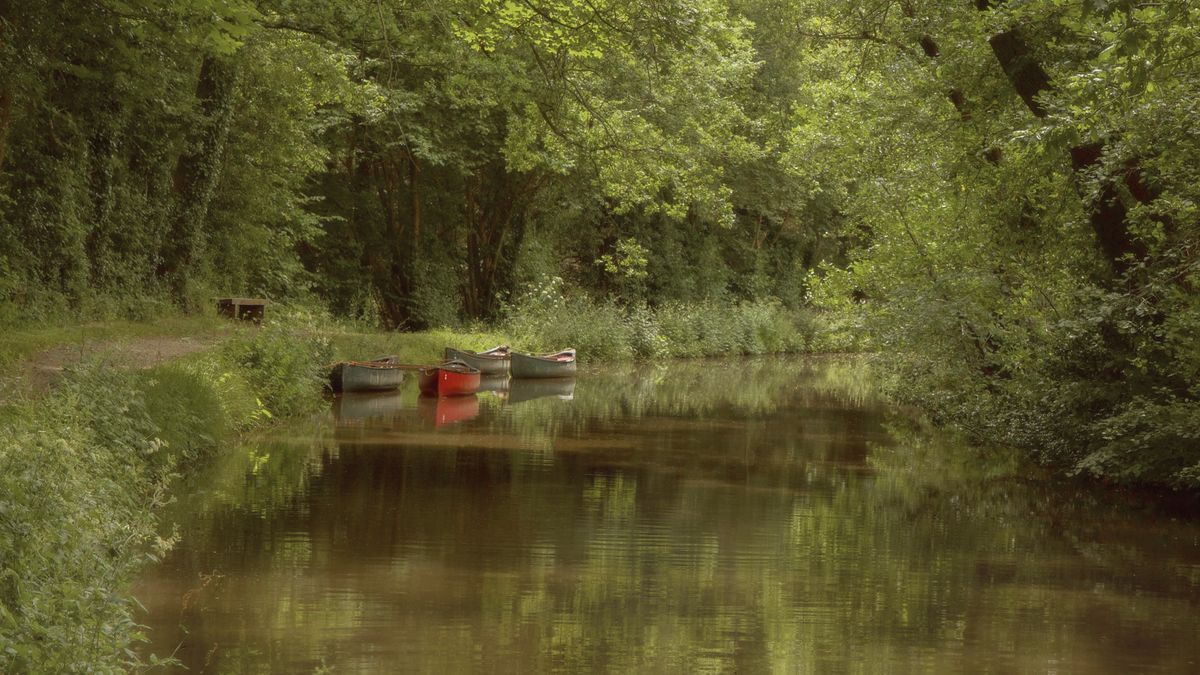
x=85 y=469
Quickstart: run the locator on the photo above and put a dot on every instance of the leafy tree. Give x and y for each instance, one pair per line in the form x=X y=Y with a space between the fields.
x=1016 y=219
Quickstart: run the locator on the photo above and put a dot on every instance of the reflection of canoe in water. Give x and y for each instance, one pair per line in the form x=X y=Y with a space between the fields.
x=527 y=390
x=452 y=378
x=494 y=382
x=448 y=410
x=352 y=408
x=493 y=361
x=559 y=364
x=382 y=374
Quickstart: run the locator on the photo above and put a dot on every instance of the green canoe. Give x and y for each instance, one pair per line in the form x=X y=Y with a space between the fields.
x=382 y=374
x=493 y=361
x=558 y=364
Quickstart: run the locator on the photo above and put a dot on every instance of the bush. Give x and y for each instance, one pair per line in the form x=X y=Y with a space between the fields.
x=285 y=363
x=185 y=410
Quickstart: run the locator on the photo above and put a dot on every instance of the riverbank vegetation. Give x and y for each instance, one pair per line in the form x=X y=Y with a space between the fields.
x=85 y=472
x=999 y=198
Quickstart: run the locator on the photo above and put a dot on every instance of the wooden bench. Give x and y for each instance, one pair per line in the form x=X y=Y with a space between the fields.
x=246 y=309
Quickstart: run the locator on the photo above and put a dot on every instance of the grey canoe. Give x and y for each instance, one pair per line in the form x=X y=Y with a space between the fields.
x=382 y=374
x=491 y=362
x=559 y=364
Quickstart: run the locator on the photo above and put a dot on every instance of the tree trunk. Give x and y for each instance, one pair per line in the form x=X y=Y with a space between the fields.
x=496 y=201
x=414 y=191
x=1109 y=218
x=392 y=250
x=1024 y=72
x=198 y=171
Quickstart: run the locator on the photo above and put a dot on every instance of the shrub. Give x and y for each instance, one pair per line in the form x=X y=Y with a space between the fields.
x=185 y=409
x=545 y=318
x=284 y=363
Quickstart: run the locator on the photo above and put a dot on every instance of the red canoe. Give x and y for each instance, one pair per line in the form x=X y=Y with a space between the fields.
x=453 y=378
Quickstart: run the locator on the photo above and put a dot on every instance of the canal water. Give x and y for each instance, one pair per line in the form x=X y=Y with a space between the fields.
x=732 y=516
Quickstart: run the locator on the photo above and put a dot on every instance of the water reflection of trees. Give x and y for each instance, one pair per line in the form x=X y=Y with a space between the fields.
x=676 y=524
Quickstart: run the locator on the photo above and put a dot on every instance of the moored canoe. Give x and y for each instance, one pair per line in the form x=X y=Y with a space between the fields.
x=452 y=378
x=493 y=361
x=382 y=374
x=558 y=364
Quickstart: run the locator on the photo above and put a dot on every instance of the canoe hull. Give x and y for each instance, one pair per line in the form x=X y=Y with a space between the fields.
x=488 y=364
x=441 y=381
x=358 y=377
x=530 y=366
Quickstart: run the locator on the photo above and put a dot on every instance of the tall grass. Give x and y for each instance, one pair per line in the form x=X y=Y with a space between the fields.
x=606 y=331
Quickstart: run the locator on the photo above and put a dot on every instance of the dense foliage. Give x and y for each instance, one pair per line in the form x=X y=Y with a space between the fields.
x=415 y=162
x=1025 y=184
x=999 y=196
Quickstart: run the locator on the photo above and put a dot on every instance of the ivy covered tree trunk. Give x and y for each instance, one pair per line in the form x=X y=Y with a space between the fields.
x=103 y=148
x=198 y=172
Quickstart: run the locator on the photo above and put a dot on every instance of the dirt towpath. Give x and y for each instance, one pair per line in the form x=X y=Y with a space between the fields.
x=36 y=374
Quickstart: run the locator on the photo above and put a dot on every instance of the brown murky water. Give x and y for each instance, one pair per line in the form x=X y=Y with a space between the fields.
x=761 y=516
